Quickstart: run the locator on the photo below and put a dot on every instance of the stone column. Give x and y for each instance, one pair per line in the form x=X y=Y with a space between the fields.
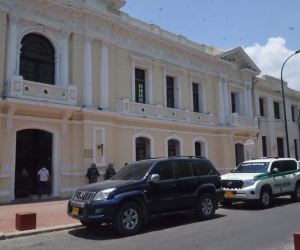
x=18 y=59
x=64 y=60
x=250 y=102
x=57 y=65
x=11 y=55
x=87 y=72
x=226 y=99
x=221 y=101
x=246 y=103
x=104 y=81
x=257 y=110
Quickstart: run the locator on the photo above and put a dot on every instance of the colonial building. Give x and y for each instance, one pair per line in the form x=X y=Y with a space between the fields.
x=83 y=82
x=270 y=113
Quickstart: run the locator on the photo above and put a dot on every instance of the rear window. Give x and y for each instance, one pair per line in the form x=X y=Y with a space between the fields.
x=252 y=167
x=288 y=165
x=203 y=167
x=183 y=169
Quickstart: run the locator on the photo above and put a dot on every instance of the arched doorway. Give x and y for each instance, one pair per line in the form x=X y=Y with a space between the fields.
x=33 y=149
x=37 y=59
x=239 y=153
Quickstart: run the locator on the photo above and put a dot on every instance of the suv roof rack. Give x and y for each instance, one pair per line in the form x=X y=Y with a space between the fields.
x=188 y=156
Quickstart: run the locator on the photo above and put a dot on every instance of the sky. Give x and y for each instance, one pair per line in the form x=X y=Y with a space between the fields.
x=268 y=30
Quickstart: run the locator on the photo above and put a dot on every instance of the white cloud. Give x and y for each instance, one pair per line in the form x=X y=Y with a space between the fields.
x=270 y=58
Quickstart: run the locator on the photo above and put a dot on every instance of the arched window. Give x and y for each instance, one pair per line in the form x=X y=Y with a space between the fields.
x=37 y=59
x=197 y=148
x=173 y=148
x=140 y=145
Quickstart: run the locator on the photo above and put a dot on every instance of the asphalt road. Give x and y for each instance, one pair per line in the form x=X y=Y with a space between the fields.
x=241 y=227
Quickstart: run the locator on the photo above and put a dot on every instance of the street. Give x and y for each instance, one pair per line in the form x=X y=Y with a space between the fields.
x=242 y=226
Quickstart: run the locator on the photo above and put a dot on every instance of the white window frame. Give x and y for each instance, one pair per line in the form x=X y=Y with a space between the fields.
x=143 y=64
x=200 y=81
x=151 y=147
x=174 y=137
x=237 y=90
x=176 y=74
x=203 y=144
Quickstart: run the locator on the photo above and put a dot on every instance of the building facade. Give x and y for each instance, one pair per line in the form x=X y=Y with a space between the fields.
x=269 y=110
x=83 y=82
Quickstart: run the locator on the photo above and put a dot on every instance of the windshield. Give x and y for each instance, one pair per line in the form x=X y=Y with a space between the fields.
x=252 y=167
x=134 y=171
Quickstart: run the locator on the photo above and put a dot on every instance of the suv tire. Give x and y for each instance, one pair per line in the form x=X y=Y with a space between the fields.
x=226 y=203
x=265 y=199
x=206 y=207
x=296 y=193
x=128 y=219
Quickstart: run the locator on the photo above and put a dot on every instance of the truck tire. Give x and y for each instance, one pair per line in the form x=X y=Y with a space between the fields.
x=265 y=199
x=206 y=207
x=128 y=219
x=296 y=193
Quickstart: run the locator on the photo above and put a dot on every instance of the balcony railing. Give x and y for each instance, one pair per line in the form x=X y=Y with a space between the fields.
x=28 y=90
x=239 y=121
x=158 y=111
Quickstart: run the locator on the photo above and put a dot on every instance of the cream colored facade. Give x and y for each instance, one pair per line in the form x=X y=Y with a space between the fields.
x=89 y=113
x=268 y=94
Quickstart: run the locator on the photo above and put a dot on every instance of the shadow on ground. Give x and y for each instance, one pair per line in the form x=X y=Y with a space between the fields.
x=106 y=231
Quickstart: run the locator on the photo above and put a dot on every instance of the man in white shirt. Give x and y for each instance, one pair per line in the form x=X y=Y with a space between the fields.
x=43 y=178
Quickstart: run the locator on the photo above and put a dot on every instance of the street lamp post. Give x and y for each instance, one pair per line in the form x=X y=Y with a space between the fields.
x=284 y=112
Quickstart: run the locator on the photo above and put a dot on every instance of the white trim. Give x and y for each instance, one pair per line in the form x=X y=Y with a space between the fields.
x=144 y=64
x=174 y=137
x=146 y=135
x=201 y=94
x=55 y=178
x=95 y=149
x=176 y=74
x=203 y=143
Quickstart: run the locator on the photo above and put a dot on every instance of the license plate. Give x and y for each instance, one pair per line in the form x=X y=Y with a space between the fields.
x=75 y=210
x=228 y=193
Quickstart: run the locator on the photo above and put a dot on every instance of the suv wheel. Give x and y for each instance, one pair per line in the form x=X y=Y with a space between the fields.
x=226 y=203
x=206 y=207
x=128 y=219
x=265 y=198
x=296 y=194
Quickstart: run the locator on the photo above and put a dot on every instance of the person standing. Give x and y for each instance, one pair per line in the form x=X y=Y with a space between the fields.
x=110 y=171
x=43 y=178
x=92 y=173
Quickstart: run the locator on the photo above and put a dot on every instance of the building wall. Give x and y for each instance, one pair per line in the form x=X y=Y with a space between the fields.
x=79 y=129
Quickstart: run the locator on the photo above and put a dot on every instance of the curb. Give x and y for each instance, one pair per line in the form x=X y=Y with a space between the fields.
x=39 y=231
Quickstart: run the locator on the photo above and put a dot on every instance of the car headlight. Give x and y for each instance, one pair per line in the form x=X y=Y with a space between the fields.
x=248 y=182
x=102 y=195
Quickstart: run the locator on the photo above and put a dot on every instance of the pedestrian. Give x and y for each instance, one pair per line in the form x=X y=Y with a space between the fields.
x=24 y=171
x=92 y=173
x=43 y=179
x=110 y=171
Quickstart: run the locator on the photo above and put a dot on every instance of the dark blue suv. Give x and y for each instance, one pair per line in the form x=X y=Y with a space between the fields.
x=149 y=188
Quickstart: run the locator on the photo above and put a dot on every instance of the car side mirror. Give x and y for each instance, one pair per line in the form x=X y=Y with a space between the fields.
x=275 y=171
x=154 y=177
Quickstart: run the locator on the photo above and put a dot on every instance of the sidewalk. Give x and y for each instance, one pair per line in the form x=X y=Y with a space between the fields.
x=51 y=215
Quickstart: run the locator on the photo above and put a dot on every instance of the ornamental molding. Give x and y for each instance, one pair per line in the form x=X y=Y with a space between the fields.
x=118 y=32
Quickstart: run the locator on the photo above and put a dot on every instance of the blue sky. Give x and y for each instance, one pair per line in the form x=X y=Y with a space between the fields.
x=268 y=30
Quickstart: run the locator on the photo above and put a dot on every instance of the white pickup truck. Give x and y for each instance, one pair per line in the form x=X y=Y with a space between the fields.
x=262 y=179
